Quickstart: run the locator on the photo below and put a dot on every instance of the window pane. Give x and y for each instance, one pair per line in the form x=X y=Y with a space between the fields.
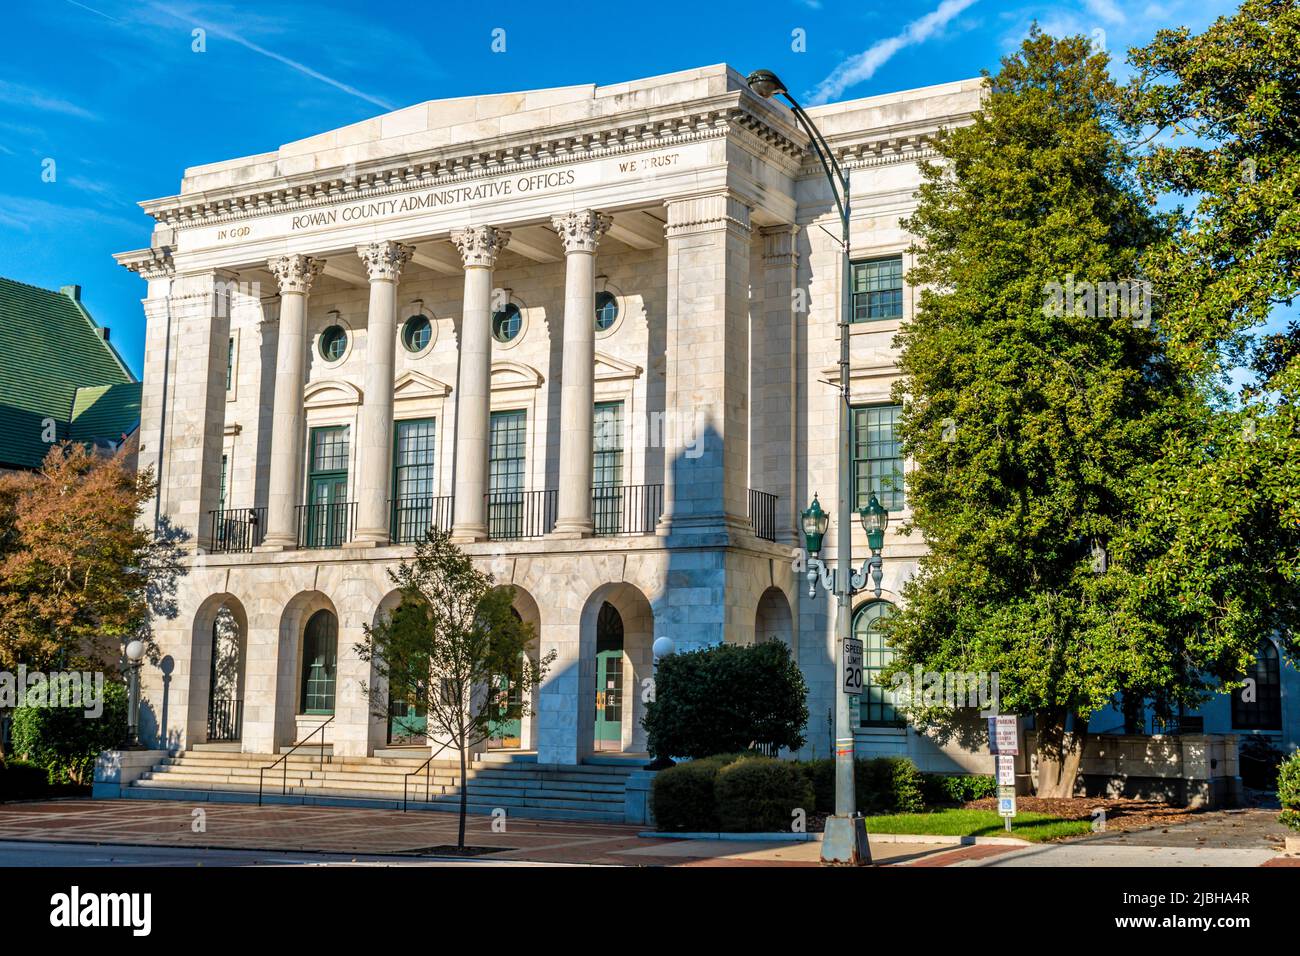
x=878 y=289
x=413 y=459
x=607 y=468
x=506 y=452
x=876 y=706
x=329 y=449
x=878 y=456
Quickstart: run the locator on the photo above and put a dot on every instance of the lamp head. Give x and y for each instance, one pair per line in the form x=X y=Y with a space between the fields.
x=875 y=519
x=815 y=521
x=663 y=647
x=135 y=651
x=765 y=83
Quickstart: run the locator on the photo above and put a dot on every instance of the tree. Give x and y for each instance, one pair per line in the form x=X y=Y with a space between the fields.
x=725 y=699
x=1034 y=391
x=78 y=576
x=448 y=648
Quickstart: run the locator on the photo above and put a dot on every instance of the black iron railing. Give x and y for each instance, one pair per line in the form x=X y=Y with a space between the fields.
x=411 y=518
x=284 y=759
x=626 y=509
x=520 y=514
x=225 y=719
x=427 y=769
x=762 y=514
x=326 y=526
x=236 y=529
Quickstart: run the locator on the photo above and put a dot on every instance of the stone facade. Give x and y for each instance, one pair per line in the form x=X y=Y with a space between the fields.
x=690 y=201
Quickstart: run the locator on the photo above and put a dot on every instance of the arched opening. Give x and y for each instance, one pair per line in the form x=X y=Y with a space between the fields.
x=1258 y=706
x=218 y=662
x=609 y=679
x=773 y=620
x=877 y=706
x=320 y=662
x=519 y=733
x=616 y=633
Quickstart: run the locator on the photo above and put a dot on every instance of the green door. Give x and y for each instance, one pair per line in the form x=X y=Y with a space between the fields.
x=609 y=679
x=507 y=732
x=326 y=524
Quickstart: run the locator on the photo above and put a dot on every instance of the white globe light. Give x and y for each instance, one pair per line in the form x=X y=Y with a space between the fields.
x=135 y=650
x=663 y=646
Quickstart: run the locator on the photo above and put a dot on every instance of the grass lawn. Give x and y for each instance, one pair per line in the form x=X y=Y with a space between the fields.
x=1027 y=826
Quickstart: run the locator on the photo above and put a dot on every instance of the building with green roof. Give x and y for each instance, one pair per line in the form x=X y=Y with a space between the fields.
x=60 y=379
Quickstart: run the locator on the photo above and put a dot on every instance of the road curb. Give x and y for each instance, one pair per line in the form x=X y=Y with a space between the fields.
x=938 y=839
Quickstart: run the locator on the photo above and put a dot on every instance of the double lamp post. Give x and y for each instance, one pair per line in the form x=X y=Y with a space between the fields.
x=845 y=837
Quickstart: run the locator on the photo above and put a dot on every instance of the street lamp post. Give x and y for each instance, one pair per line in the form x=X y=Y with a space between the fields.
x=134 y=656
x=663 y=646
x=845 y=839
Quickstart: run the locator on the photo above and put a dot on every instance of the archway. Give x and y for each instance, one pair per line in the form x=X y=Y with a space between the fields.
x=617 y=631
x=520 y=733
x=218 y=652
x=307 y=672
x=773 y=620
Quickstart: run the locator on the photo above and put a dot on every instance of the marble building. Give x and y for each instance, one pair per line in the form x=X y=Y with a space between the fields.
x=589 y=330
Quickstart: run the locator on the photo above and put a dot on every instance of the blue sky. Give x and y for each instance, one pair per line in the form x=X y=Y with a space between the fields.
x=115 y=95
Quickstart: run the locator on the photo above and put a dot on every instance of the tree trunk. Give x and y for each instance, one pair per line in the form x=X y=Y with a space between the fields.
x=1059 y=754
x=464 y=798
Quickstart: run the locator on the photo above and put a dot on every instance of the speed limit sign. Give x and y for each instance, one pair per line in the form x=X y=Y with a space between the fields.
x=852 y=666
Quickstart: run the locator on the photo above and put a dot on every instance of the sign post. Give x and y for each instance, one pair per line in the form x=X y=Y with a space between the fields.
x=1004 y=743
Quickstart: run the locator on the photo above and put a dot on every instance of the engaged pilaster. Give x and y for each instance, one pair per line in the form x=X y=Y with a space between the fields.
x=384 y=262
x=772 y=418
x=479 y=247
x=580 y=233
x=295 y=275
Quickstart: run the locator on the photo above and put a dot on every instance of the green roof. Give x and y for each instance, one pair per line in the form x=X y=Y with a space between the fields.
x=57 y=364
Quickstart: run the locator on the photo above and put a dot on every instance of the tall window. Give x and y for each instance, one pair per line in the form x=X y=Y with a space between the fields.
x=320 y=643
x=327 y=491
x=607 y=467
x=506 y=457
x=413 y=478
x=230 y=362
x=878 y=456
x=876 y=705
x=878 y=289
x=221 y=494
x=1265 y=711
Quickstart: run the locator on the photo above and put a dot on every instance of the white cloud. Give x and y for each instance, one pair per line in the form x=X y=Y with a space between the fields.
x=25 y=96
x=863 y=66
x=1107 y=10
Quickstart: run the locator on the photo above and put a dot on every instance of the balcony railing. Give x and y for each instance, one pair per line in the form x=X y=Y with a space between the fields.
x=413 y=517
x=626 y=509
x=236 y=529
x=512 y=515
x=326 y=526
x=762 y=514
x=225 y=719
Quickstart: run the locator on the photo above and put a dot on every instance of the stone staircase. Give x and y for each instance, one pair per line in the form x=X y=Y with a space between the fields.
x=515 y=782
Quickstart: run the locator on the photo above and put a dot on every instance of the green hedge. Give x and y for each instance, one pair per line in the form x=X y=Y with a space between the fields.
x=941 y=788
x=65 y=741
x=1288 y=790
x=745 y=793
x=20 y=780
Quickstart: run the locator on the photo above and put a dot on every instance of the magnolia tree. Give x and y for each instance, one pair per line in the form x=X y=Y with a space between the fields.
x=454 y=650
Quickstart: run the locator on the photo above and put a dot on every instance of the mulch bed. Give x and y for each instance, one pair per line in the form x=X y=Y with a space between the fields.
x=1121 y=814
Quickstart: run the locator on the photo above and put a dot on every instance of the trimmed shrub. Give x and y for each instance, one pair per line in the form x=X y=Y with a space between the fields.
x=938 y=789
x=20 y=780
x=760 y=795
x=1288 y=791
x=697 y=711
x=881 y=785
x=65 y=741
x=682 y=799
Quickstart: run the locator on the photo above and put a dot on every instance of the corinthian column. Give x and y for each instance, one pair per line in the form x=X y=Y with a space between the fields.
x=384 y=261
x=479 y=247
x=294 y=275
x=580 y=232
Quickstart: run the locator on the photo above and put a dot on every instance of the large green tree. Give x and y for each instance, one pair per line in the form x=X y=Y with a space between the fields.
x=450 y=650
x=1030 y=417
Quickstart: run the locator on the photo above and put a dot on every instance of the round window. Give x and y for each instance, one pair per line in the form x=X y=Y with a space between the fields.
x=416 y=333
x=606 y=310
x=506 y=323
x=333 y=343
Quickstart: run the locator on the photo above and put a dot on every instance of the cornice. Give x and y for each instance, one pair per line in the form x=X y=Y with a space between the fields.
x=708 y=119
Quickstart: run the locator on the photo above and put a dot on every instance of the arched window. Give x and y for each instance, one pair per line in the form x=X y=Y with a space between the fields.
x=876 y=705
x=1265 y=711
x=320 y=644
x=609 y=678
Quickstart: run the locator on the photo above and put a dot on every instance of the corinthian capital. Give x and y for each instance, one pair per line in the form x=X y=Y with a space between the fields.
x=295 y=273
x=480 y=245
x=580 y=231
x=384 y=260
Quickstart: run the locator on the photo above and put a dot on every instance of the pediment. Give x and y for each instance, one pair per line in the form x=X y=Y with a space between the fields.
x=611 y=369
x=412 y=384
x=508 y=375
x=330 y=393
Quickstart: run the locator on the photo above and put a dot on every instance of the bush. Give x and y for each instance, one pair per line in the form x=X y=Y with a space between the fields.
x=64 y=741
x=938 y=789
x=725 y=698
x=1288 y=791
x=760 y=795
x=881 y=785
x=20 y=780
x=681 y=797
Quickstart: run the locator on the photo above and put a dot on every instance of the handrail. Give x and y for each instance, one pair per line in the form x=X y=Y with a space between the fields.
x=427 y=768
x=284 y=785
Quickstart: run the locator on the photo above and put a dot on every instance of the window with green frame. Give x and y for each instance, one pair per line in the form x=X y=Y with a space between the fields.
x=230 y=362
x=878 y=456
x=877 y=288
x=320 y=646
x=876 y=706
x=327 y=487
x=607 y=467
x=221 y=494
x=413 y=478
x=506 y=458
